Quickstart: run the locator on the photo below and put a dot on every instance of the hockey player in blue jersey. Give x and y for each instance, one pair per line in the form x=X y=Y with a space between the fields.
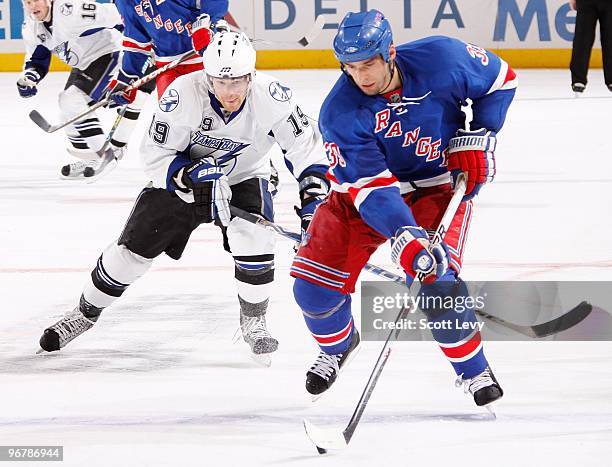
x=169 y=29
x=395 y=135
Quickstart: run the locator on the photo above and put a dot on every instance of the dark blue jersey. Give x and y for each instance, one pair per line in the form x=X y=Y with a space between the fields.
x=162 y=27
x=379 y=148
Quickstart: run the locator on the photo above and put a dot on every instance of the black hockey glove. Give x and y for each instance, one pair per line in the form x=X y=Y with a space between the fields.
x=313 y=190
x=211 y=190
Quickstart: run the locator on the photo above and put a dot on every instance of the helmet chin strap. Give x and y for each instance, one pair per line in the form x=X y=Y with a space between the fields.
x=392 y=73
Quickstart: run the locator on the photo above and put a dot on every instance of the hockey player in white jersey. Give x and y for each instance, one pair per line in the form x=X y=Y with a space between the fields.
x=207 y=148
x=87 y=36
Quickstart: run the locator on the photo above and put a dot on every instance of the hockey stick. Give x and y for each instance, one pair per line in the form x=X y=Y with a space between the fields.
x=324 y=439
x=562 y=323
x=37 y=118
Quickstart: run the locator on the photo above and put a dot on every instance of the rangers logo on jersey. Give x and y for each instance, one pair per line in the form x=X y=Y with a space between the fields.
x=169 y=101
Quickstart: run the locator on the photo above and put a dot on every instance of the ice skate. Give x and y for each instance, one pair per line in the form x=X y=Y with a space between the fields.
x=92 y=170
x=255 y=333
x=578 y=89
x=73 y=324
x=483 y=387
x=79 y=170
x=326 y=368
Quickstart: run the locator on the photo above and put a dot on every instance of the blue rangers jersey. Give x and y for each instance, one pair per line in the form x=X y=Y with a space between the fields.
x=380 y=148
x=162 y=27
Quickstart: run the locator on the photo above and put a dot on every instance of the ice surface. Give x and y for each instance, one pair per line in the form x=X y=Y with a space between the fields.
x=158 y=381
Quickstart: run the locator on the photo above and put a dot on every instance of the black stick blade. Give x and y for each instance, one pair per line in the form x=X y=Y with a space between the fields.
x=565 y=321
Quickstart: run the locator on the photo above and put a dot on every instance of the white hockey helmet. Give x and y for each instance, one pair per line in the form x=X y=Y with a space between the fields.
x=229 y=55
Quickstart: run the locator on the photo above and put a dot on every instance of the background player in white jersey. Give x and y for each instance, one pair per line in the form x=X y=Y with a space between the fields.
x=208 y=146
x=86 y=36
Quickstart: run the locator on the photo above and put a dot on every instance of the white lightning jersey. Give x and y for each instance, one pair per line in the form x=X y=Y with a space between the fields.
x=79 y=32
x=189 y=121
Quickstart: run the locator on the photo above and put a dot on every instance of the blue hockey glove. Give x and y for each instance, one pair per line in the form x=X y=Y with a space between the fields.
x=414 y=253
x=116 y=91
x=27 y=82
x=210 y=187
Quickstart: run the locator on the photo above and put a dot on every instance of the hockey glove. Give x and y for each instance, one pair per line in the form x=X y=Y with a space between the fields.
x=27 y=82
x=471 y=152
x=313 y=190
x=116 y=91
x=211 y=190
x=201 y=33
x=414 y=253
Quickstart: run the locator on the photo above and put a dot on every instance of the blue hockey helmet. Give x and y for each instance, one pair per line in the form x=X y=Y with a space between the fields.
x=362 y=36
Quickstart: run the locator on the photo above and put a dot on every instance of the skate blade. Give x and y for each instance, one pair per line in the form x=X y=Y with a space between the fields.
x=262 y=359
x=491 y=409
x=316 y=397
x=237 y=336
x=40 y=351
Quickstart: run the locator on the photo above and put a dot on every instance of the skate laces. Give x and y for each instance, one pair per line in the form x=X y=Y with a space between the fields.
x=326 y=365
x=72 y=325
x=476 y=383
x=80 y=166
x=255 y=327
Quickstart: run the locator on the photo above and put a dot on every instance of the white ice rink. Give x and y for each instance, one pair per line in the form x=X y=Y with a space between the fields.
x=158 y=381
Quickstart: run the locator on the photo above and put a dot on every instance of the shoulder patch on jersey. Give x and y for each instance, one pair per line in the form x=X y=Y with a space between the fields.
x=66 y=9
x=169 y=101
x=279 y=92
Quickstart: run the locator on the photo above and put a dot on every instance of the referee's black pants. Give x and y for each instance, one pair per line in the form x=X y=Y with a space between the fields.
x=588 y=13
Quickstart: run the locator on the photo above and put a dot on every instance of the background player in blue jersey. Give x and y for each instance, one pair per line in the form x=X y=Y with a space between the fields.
x=167 y=29
x=394 y=131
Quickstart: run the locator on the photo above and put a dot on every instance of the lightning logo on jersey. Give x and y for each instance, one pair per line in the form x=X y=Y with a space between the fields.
x=169 y=101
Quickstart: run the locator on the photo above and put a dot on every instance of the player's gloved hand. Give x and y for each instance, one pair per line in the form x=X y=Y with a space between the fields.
x=471 y=152
x=201 y=33
x=307 y=211
x=117 y=93
x=313 y=190
x=27 y=82
x=414 y=253
x=210 y=187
